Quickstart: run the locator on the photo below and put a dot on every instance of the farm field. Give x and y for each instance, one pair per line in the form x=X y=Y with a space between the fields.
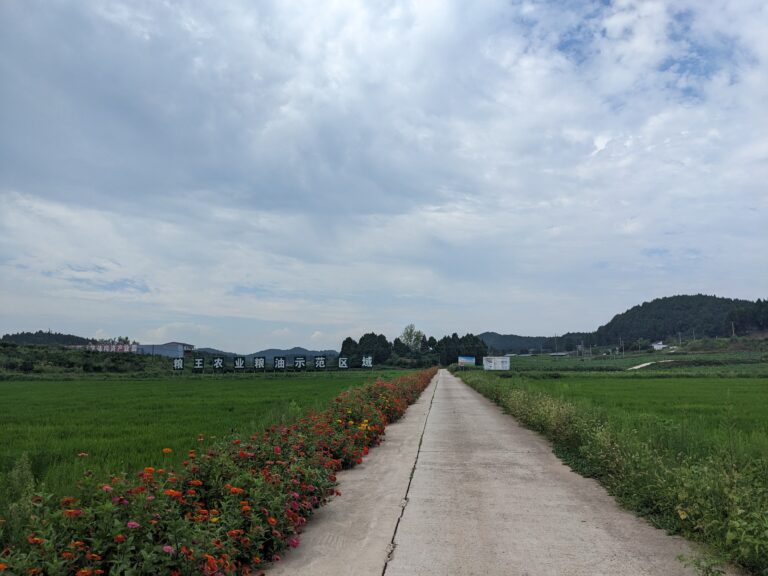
x=727 y=362
x=123 y=424
x=686 y=446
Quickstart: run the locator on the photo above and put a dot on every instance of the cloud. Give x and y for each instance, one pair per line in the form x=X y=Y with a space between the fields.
x=336 y=169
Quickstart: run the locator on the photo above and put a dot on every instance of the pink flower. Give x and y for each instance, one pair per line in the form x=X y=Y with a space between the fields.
x=293 y=542
x=132 y=525
x=278 y=450
x=107 y=488
x=168 y=549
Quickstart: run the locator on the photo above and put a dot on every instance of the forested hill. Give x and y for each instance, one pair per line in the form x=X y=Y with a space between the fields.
x=663 y=318
x=512 y=342
x=44 y=338
x=666 y=319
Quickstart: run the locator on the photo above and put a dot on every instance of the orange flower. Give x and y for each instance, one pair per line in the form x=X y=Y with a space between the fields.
x=172 y=493
x=73 y=513
x=68 y=555
x=32 y=539
x=149 y=470
x=271 y=521
x=167 y=450
x=119 y=538
x=68 y=501
x=3 y=567
x=85 y=572
x=92 y=556
x=196 y=482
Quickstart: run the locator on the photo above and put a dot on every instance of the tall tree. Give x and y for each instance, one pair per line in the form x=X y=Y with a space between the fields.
x=412 y=337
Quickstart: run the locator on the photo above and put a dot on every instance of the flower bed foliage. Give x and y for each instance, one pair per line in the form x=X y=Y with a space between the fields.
x=236 y=505
x=719 y=497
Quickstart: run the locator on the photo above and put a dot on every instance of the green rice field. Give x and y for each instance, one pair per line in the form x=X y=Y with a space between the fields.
x=114 y=425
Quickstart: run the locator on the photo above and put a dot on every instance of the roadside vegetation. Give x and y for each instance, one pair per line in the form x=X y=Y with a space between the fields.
x=232 y=506
x=684 y=443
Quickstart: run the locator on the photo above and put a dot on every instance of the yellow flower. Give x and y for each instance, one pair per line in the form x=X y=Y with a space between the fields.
x=682 y=513
x=215 y=519
x=351 y=422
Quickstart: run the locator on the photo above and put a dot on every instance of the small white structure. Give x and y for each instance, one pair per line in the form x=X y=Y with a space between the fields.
x=659 y=345
x=495 y=362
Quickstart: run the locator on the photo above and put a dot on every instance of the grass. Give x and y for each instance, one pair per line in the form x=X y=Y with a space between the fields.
x=123 y=424
x=686 y=447
x=697 y=414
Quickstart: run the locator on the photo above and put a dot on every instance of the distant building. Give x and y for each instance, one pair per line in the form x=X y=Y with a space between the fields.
x=169 y=349
x=659 y=345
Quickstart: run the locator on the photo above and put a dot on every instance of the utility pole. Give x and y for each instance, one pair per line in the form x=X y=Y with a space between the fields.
x=733 y=330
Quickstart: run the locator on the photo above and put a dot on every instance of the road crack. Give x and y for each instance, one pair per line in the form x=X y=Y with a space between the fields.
x=404 y=503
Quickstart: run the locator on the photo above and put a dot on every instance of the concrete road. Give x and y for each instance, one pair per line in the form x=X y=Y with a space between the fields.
x=459 y=488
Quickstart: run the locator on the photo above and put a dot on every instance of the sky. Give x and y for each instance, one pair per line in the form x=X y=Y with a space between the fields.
x=245 y=175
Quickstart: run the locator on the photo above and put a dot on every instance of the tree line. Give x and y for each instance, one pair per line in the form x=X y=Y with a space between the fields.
x=413 y=349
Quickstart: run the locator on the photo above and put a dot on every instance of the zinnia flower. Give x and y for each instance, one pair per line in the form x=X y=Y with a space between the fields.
x=132 y=524
x=167 y=450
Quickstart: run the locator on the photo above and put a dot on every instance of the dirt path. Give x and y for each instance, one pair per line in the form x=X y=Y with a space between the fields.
x=487 y=497
x=639 y=366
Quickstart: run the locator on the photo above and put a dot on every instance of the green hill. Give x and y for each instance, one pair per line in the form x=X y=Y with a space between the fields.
x=41 y=338
x=685 y=317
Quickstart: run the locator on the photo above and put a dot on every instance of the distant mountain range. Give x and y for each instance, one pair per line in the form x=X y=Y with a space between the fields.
x=270 y=353
x=671 y=318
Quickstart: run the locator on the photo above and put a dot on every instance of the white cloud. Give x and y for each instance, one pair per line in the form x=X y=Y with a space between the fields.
x=336 y=169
